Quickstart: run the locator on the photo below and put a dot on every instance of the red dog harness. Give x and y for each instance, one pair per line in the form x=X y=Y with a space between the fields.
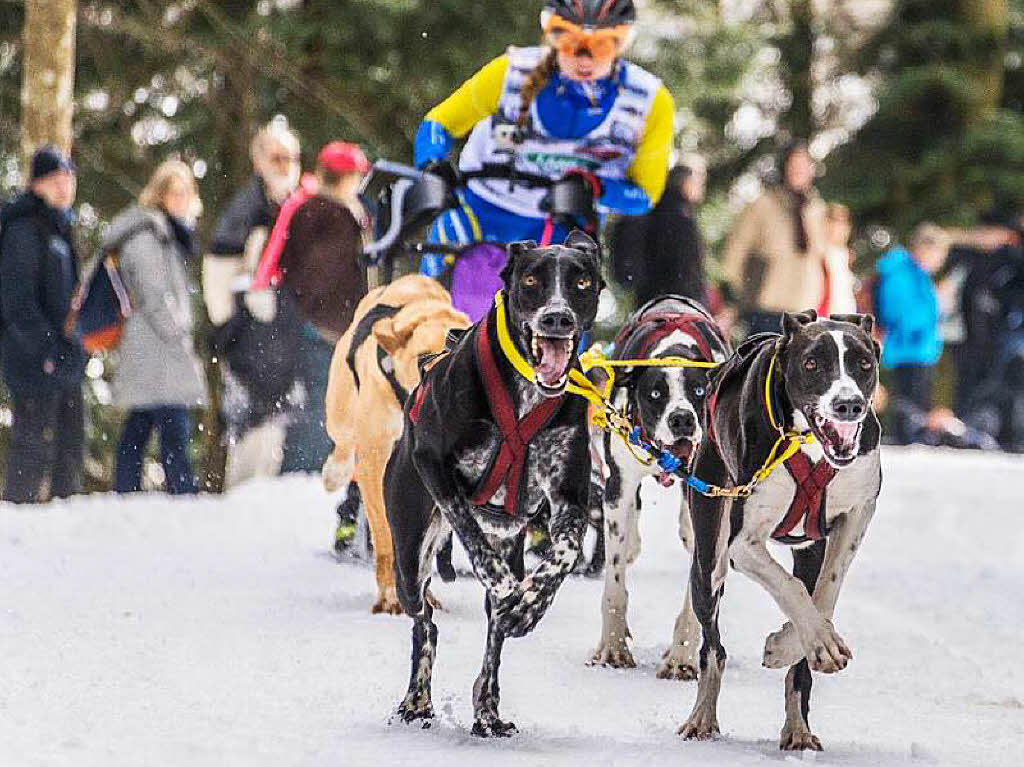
x=655 y=327
x=808 y=504
x=509 y=462
x=516 y=434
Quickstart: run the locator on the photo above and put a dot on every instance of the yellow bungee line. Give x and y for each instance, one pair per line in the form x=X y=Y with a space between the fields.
x=606 y=416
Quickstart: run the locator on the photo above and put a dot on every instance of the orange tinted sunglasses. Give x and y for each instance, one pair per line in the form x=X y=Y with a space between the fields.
x=569 y=38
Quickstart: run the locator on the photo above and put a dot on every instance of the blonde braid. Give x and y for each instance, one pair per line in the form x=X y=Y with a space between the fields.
x=534 y=84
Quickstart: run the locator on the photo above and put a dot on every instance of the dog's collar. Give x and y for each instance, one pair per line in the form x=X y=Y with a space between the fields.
x=508 y=347
x=771 y=404
x=768 y=393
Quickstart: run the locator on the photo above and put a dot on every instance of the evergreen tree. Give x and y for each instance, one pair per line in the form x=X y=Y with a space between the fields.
x=947 y=140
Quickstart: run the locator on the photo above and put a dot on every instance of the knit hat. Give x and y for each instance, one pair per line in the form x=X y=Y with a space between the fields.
x=49 y=159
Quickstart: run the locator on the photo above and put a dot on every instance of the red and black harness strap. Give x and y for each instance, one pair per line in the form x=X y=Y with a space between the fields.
x=808 y=504
x=651 y=328
x=509 y=463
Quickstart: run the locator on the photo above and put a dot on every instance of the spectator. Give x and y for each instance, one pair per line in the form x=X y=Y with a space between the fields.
x=841 y=294
x=323 y=277
x=158 y=376
x=254 y=338
x=773 y=259
x=663 y=251
x=908 y=311
x=43 y=363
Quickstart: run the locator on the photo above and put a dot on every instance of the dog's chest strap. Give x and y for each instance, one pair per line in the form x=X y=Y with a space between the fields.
x=808 y=504
x=516 y=434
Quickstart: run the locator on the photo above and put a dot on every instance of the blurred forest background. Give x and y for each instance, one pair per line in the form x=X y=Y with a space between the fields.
x=913 y=106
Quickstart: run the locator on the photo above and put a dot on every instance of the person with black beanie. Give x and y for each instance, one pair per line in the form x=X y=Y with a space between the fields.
x=43 y=361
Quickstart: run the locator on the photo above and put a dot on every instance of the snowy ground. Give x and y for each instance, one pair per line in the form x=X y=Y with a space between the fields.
x=220 y=632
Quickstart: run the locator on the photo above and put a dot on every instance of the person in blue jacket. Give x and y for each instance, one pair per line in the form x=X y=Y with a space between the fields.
x=572 y=109
x=907 y=308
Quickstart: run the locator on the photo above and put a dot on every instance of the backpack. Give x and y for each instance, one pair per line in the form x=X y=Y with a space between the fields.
x=100 y=306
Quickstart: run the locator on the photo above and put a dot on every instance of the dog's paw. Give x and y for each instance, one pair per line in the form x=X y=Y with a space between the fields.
x=416 y=708
x=520 y=614
x=613 y=654
x=386 y=605
x=494 y=728
x=677 y=666
x=702 y=725
x=782 y=648
x=799 y=740
x=826 y=651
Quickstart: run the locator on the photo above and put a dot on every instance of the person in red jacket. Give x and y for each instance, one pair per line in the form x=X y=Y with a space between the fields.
x=313 y=256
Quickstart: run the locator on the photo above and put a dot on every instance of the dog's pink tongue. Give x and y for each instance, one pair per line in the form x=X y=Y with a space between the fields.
x=554 y=359
x=846 y=431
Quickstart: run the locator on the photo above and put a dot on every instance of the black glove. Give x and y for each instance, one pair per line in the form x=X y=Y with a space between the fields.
x=574 y=196
x=447 y=172
x=445 y=169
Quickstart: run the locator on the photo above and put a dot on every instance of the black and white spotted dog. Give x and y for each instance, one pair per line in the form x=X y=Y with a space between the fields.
x=819 y=503
x=668 y=404
x=484 y=450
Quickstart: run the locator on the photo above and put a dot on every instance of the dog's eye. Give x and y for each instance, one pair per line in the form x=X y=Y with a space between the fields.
x=655 y=394
x=810 y=364
x=866 y=364
x=529 y=281
x=584 y=283
x=699 y=391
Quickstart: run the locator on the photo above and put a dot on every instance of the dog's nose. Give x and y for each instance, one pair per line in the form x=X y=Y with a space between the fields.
x=849 y=408
x=557 y=324
x=682 y=423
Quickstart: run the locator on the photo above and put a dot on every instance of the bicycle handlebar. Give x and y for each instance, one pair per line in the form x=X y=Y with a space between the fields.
x=415 y=197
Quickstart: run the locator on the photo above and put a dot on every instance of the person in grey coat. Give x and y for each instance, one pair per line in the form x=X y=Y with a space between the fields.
x=158 y=377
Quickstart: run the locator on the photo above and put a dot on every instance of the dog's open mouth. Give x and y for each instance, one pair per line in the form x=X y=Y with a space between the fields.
x=551 y=358
x=839 y=439
x=683 y=450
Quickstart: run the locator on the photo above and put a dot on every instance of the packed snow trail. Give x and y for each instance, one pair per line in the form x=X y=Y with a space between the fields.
x=219 y=631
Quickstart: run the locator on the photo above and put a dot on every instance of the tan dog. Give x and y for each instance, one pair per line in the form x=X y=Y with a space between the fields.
x=364 y=416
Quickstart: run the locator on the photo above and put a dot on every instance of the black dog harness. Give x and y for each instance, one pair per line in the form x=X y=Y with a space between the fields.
x=384 y=360
x=812 y=480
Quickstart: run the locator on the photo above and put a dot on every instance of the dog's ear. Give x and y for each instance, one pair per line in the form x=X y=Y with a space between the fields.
x=865 y=322
x=580 y=240
x=793 y=321
x=388 y=336
x=514 y=250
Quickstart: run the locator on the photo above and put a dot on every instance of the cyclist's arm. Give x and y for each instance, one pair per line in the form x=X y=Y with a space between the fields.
x=476 y=99
x=646 y=176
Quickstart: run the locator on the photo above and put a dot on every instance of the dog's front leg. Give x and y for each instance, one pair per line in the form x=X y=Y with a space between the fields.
x=486 y=694
x=707 y=583
x=680 y=660
x=783 y=648
x=490 y=568
x=824 y=649
x=568 y=524
x=620 y=508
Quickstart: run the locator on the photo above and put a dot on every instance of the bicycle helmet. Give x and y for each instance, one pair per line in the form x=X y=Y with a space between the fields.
x=595 y=14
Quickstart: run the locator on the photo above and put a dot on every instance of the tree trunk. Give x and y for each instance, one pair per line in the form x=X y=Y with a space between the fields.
x=798 y=59
x=988 y=21
x=48 y=75
x=236 y=104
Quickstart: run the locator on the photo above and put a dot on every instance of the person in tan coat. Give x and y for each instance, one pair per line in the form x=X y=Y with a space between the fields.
x=773 y=261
